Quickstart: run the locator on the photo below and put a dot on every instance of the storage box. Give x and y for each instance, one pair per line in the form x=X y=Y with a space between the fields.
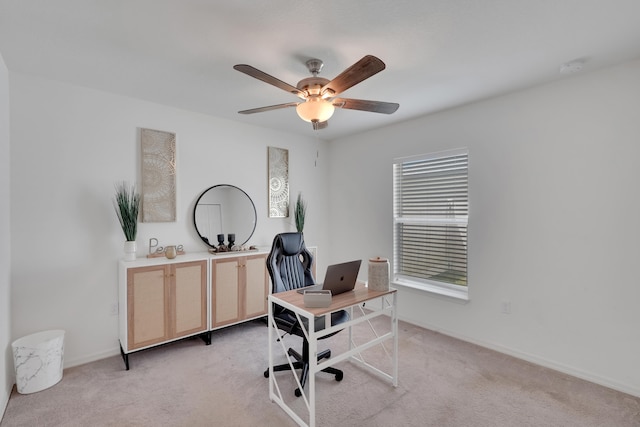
x=317 y=299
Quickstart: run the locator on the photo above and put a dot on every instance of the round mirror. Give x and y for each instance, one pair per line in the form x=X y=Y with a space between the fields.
x=223 y=210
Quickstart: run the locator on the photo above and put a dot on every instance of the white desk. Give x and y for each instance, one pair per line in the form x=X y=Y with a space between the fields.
x=293 y=301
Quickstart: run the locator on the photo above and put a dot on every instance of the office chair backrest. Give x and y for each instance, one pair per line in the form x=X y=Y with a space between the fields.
x=289 y=263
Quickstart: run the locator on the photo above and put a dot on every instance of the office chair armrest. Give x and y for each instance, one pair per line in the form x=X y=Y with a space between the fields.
x=289 y=323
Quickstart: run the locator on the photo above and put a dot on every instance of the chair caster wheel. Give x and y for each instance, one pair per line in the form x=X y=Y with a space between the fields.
x=298 y=393
x=266 y=373
x=339 y=376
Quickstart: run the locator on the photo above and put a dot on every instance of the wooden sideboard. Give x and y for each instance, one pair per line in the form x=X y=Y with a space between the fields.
x=162 y=300
x=239 y=290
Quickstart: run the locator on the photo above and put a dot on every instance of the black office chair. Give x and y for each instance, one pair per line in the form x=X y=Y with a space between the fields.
x=289 y=265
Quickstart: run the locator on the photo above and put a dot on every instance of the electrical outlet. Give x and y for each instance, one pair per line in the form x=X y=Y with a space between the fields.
x=114 y=309
x=506 y=307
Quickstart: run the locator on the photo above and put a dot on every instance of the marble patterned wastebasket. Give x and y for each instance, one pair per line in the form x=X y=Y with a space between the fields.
x=38 y=360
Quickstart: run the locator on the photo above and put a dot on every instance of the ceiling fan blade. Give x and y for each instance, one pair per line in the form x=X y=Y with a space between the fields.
x=319 y=125
x=361 y=70
x=269 y=108
x=364 y=105
x=261 y=75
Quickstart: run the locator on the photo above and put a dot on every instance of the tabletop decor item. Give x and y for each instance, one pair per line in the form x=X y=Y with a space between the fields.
x=378 y=274
x=170 y=252
x=127 y=205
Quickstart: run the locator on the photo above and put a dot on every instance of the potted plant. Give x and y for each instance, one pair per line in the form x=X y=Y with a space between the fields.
x=300 y=212
x=127 y=204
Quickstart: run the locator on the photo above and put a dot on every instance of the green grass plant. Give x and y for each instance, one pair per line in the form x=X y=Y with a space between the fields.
x=300 y=212
x=127 y=204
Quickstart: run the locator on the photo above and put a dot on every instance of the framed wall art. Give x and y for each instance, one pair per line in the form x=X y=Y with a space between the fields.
x=278 y=182
x=158 y=175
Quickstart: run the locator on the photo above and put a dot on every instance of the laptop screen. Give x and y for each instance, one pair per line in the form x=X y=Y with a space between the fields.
x=342 y=277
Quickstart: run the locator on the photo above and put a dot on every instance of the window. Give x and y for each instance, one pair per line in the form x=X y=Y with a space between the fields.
x=430 y=212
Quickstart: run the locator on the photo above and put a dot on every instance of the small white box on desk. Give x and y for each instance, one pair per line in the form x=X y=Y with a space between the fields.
x=317 y=299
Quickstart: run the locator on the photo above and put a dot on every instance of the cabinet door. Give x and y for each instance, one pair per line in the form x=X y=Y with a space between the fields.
x=256 y=286
x=147 y=306
x=189 y=295
x=225 y=291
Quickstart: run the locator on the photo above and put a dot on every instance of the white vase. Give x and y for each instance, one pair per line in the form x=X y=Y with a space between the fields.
x=130 y=250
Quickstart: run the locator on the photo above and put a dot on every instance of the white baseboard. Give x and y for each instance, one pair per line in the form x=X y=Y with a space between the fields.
x=532 y=358
x=4 y=401
x=91 y=358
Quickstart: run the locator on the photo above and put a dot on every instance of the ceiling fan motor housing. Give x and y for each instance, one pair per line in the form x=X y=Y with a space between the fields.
x=312 y=85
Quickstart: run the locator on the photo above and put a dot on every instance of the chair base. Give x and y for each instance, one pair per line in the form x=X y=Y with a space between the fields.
x=302 y=362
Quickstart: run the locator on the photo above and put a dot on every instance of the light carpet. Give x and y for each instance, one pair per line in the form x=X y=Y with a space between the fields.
x=442 y=382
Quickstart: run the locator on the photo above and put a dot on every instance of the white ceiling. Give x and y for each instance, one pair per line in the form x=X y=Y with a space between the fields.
x=439 y=53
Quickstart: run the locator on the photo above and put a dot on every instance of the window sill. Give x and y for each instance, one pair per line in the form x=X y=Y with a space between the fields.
x=460 y=295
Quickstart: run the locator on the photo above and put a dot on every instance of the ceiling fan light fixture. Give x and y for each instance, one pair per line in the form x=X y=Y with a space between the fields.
x=315 y=109
x=319 y=94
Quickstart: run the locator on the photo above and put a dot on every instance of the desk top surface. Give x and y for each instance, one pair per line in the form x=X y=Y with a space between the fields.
x=360 y=294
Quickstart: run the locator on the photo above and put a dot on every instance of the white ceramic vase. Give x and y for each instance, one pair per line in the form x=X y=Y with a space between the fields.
x=130 y=250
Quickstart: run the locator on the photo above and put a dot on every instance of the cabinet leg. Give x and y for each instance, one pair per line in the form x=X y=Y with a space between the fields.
x=206 y=337
x=125 y=357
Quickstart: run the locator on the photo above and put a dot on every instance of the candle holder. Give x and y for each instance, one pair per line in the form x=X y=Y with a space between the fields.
x=220 y=239
x=231 y=237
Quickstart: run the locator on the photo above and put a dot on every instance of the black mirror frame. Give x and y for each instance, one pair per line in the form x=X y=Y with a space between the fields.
x=255 y=213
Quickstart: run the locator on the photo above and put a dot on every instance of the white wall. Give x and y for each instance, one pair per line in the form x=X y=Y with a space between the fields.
x=6 y=357
x=554 y=207
x=70 y=145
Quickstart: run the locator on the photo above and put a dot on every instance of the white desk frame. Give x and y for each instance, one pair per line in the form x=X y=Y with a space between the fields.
x=348 y=301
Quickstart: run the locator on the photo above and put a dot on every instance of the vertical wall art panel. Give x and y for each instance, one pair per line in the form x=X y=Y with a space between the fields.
x=278 y=182
x=158 y=175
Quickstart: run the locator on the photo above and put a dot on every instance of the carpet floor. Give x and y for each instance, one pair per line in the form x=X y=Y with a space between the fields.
x=442 y=382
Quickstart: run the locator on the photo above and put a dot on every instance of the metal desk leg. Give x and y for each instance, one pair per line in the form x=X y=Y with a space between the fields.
x=269 y=324
x=313 y=365
x=394 y=329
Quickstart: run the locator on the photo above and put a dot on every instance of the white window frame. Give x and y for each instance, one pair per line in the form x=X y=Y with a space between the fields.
x=431 y=217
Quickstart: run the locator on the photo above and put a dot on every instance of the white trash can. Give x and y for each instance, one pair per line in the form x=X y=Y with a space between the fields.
x=38 y=360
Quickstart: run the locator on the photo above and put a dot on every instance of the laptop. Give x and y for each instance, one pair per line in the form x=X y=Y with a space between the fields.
x=338 y=279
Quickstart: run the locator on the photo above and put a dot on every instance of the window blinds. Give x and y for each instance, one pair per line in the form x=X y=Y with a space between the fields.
x=431 y=210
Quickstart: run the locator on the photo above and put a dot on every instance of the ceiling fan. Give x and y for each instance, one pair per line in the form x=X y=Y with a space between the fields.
x=319 y=94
